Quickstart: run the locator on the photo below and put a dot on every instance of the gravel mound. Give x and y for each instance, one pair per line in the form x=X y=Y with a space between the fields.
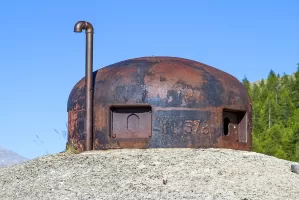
x=151 y=174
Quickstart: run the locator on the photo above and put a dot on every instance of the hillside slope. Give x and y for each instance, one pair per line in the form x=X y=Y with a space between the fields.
x=8 y=158
x=152 y=174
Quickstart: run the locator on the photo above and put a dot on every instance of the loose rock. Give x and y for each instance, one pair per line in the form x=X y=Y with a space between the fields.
x=139 y=174
x=295 y=168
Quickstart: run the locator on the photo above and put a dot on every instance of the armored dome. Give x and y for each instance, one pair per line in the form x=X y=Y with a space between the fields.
x=162 y=102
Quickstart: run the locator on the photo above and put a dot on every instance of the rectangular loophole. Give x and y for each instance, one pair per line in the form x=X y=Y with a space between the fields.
x=235 y=125
x=130 y=121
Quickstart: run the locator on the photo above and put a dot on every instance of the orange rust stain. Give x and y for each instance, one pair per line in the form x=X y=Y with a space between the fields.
x=72 y=121
x=174 y=69
x=222 y=143
x=125 y=73
x=80 y=147
x=100 y=117
x=133 y=144
x=111 y=145
x=161 y=79
x=96 y=143
x=73 y=132
x=77 y=107
x=190 y=95
x=178 y=72
x=230 y=83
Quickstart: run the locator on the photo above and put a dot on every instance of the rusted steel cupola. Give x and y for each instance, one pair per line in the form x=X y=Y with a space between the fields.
x=157 y=102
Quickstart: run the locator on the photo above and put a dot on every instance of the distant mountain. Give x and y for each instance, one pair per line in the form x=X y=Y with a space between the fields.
x=8 y=158
x=291 y=76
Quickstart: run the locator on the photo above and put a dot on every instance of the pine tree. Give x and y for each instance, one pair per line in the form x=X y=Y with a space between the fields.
x=246 y=83
x=295 y=89
x=275 y=115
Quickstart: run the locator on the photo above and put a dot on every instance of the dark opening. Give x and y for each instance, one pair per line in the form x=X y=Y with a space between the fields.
x=130 y=109
x=235 y=125
x=226 y=122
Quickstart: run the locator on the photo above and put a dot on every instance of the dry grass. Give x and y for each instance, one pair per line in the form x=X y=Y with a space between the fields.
x=70 y=149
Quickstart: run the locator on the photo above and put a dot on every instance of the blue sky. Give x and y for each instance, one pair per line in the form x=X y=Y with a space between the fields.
x=42 y=58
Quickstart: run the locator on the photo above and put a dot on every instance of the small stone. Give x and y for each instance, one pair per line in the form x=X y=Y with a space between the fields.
x=164 y=181
x=295 y=168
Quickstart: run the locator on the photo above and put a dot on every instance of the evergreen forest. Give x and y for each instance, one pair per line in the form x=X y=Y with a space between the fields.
x=275 y=115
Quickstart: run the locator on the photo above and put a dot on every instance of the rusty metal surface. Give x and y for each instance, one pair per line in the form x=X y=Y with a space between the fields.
x=130 y=121
x=187 y=104
x=79 y=26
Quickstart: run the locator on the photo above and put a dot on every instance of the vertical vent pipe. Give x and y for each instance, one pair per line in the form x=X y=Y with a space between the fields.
x=79 y=26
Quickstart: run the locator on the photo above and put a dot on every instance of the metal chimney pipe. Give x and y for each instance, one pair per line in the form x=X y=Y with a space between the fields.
x=79 y=26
